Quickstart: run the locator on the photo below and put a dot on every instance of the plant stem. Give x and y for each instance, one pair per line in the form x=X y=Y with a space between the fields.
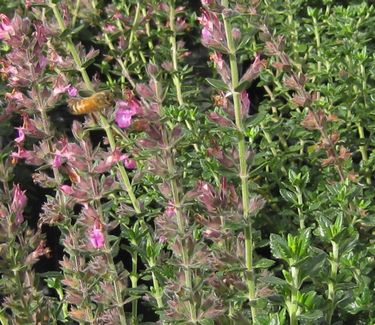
x=299 y=209
x=103 y=120
x=122 y=64
x=363 y=148
x=292 y=29
x=317 y=40
x=180 y=222
x=133 y=30
x=148 y=33
x=124 y=175
x=175 y=78
x=56 y=174
x=293 y=307
x=159 y=294
x=134 y=281
x=328 y=139
x=107 y=253
x=332 y=281
x=172 y=40
x=242 y=151
x=110 y=137
x=75 y=13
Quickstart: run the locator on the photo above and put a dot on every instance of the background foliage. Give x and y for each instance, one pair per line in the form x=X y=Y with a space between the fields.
x=182 y=244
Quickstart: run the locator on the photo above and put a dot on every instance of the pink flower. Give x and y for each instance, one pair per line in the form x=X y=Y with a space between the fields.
x=217 y=58
x=6 y=28
x=254 y=70
x=29 y=127
x=54 y=57
x=30 y=156
x=57 y=161
x=207 y=35
x=163 y=239
x=21 y=136
x=125 y=111
x=181 y=24
x=60 y=155
x=236 y=33
x=221 y=66
x=123 y=118
x=41 y=64
x=221 y=120
x=170 y=211
x=245 y=104
x=15 y=94
x=144 y=90
x=59 y=89
x=19 y=199
x=72 y=91
x=18 y=204
x=40 y=33
x=20 y=154
x=118 y=15
x=212 y=32
x=205 y=193
x=109 y=28
x=67 y=189
x=81 y=195
x=110 y=160
x=129 y=163
x=97 y=237
x=61 y=86
x=211 y=233
x=19 y=218
x=70 y=153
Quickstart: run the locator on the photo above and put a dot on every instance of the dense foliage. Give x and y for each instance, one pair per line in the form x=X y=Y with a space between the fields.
x=185 y=163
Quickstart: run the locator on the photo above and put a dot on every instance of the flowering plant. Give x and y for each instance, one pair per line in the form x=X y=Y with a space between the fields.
x=164 y=189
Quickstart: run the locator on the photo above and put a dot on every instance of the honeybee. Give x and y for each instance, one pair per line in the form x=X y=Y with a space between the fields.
x=94 y=103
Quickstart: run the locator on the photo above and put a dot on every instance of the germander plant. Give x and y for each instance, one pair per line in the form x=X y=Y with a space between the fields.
x=227 y=182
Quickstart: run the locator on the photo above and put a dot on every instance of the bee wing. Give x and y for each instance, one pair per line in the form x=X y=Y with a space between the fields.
x=105 y=98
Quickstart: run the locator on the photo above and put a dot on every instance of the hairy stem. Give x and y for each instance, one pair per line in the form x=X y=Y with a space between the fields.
x=332 y=281
x=175 y=189
x=174 y=51
x=243 y=174
x=77 y=60
x=293 y=307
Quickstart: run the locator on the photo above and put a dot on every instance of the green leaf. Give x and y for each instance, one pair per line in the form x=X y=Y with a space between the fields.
x=264 y=263
x=313 y=316
x=314 y=264
x=243 y=86
x=308 y=299
x=51 y=274
x=88 y=63
x=279 y=247
x=274 y=280
x=255 y=119
x=289 y=196
x=288 y=277
x=300 y=244
x=207 y=322
x=218 y=84
x=42 y=5
x=71 y=31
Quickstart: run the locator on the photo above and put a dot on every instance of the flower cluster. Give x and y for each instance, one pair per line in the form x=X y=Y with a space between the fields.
x=164 y=186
